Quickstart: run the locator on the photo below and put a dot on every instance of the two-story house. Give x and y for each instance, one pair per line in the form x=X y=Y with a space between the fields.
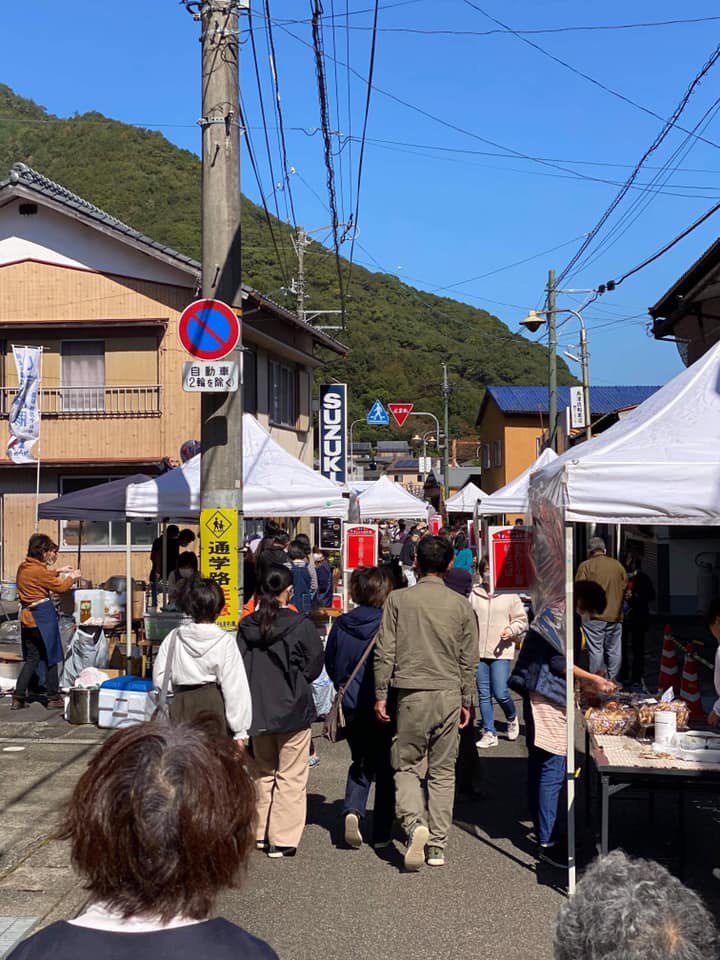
x=103 y=301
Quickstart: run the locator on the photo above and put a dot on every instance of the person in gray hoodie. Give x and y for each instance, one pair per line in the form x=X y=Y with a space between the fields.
x=207 y=675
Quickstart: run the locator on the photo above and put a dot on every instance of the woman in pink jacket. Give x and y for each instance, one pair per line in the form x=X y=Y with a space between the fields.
x=501 y=619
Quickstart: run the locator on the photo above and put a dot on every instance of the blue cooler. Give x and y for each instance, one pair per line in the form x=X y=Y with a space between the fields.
x=125 y=701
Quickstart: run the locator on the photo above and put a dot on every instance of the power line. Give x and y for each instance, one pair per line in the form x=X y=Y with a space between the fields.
x=278 y=110
x=580 y=73
x=261 y=100
x=268 y=218
x=653 y=146
x=318 y=50
x=371 y=71
x=664 y=249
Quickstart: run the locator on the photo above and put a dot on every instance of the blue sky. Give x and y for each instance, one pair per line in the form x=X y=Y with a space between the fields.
x=443 y=204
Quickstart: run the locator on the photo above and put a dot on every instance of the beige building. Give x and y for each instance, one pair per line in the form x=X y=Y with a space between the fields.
x=103 y=301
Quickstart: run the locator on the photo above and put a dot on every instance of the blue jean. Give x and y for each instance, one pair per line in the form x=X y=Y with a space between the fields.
x=604 y=645
x=492 y=681
x=369 y=742
x=546 y=776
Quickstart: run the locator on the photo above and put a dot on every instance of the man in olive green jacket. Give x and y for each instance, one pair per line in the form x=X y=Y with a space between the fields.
x=427 y=650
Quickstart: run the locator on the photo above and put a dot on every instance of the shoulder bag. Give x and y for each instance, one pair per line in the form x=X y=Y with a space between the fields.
x=162 y=711
x=334 y=725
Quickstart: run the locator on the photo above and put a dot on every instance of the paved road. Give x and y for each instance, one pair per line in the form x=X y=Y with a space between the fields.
x=329 y=903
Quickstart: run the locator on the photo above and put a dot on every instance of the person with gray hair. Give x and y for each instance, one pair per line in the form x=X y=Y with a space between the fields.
x=603 y=628
x=628 y=909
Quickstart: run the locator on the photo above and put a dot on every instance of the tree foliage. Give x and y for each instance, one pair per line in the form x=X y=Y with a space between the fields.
x=398 y=336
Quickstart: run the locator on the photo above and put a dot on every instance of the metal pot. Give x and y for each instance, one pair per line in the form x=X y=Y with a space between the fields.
x=83 y=706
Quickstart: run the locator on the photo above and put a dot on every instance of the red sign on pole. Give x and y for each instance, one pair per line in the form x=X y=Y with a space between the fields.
x=401 y=411
x=435 y=524
x=209 y=329
x=510 y=562
x=361 y=543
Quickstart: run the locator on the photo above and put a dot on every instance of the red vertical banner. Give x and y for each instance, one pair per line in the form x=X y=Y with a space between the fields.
x=435 y=524
x=510 y=560
x=360 y=546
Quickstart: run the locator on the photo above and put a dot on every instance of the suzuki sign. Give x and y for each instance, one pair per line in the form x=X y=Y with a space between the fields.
x=333 y=431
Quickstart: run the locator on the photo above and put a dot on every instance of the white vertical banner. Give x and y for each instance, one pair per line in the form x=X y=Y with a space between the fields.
x=577 y=408
x=24 y=419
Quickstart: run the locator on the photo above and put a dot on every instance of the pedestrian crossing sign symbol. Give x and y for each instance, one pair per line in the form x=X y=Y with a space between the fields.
x=378 y=415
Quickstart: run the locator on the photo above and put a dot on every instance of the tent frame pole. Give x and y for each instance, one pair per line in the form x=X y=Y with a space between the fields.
x=570 y=701
x=128 y=589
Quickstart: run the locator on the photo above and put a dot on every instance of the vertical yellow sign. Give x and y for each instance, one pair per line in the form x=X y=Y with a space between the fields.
x=219 y=559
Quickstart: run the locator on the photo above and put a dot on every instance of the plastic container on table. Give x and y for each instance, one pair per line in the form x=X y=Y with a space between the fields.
x=158 y=625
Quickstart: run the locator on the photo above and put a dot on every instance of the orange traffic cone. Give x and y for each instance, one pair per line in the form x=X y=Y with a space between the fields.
x=690 y=688
x=669 y=675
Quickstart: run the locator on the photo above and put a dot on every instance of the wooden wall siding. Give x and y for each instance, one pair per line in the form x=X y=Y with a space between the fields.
x=19 y=523
x=37 y=292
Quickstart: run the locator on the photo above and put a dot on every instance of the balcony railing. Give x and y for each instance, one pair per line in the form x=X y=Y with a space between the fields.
x=135 y=400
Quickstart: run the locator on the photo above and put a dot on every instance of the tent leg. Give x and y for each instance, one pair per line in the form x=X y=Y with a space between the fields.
x=570 y=702
x=128 y=589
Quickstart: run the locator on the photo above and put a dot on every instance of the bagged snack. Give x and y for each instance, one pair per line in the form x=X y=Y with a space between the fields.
x=613 y=720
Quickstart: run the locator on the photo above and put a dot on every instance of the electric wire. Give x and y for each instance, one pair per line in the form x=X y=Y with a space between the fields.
x=584 y=28
x=278 y=111
x=318 y=50
x=336 y=81
x=660 y=137
x=251 y=156
x=580 y=73
x=361 y=152
x=261 y=103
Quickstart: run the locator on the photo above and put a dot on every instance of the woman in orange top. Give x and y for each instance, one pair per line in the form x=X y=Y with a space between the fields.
x=40 y=630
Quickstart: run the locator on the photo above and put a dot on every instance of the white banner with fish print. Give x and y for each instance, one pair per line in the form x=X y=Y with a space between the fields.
x=24 y=419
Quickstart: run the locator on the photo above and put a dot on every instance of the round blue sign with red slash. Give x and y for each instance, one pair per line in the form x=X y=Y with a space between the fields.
x=209 y=329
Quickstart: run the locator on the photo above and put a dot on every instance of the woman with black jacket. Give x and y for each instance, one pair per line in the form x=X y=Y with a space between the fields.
x=283 y=654
x=368 y=739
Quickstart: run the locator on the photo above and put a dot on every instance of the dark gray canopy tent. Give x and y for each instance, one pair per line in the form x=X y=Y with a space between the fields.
x=104 y=501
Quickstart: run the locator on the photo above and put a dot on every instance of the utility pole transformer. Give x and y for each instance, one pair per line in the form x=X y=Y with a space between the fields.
x=221 y=239
x=552 y=362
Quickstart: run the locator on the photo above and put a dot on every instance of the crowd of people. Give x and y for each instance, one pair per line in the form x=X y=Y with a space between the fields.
x=412 y=659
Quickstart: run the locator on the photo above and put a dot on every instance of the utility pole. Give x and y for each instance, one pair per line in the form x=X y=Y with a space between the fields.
x=299 y=243
x=221 y=413
x=552 y=362
x=446 y=442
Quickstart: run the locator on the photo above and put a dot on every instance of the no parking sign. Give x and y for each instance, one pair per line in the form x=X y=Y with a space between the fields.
x=209 y=329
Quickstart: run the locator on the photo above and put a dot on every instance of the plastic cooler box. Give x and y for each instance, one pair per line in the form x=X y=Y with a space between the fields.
x=125 y=701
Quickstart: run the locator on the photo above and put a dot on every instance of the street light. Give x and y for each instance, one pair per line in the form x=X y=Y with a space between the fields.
x=425 y=438
x=352 y=452
x=534 y=320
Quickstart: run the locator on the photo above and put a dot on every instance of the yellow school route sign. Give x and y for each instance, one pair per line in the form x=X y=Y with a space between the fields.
x=219 y=559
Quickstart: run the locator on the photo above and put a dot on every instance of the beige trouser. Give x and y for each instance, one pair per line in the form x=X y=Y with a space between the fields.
x=281 y=776
x=427 y=729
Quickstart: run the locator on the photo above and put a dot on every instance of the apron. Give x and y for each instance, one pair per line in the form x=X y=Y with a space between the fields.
x=48 y=624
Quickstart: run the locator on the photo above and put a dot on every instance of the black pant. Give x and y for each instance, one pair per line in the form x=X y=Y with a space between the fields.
x=634 y=649
x=35 y=652
x=369 y=742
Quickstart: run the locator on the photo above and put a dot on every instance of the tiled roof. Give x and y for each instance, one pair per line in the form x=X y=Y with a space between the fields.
x=407 y=464
x=392 y=446
x=535 y=399
x=22 y=174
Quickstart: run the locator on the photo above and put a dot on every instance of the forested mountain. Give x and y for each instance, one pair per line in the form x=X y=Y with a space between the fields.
x=398 y=336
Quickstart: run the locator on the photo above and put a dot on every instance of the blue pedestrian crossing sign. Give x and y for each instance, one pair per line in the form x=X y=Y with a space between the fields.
x=378 y=415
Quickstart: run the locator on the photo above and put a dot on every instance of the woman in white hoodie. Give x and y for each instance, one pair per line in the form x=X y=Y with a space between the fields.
x=207 y=674
x=501 y=619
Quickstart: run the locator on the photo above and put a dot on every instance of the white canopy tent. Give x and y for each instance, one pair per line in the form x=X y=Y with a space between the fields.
x=513 y=497
x=464 y=500
x=275 y=484
x=658 y=465
x=386 y=500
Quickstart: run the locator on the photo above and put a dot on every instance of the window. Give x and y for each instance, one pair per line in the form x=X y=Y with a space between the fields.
x=249 y=380
x=486 y=456
x=497 y=453
x=82 y=375
x=101 y=534
x=283 y=394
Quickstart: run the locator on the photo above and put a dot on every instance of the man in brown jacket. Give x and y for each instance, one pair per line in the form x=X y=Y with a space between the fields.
x=603 y=630
x=427 y=650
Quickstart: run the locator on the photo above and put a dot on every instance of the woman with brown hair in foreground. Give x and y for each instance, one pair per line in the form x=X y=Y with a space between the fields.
x=161 y=821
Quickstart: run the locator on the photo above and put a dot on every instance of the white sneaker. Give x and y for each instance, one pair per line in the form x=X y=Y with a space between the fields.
x=353 y=837
x=487 y=740
x=415 y=850
x=513 y=729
